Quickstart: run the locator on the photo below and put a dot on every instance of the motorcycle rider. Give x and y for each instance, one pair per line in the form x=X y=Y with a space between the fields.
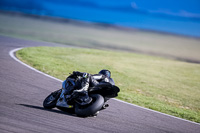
x=89 y=80
x=85 y=80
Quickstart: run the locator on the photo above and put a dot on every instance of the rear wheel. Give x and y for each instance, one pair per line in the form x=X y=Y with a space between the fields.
x=51 y=100
x=92 y=108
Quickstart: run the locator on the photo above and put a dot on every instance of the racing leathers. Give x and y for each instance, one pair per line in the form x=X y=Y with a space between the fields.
x=87 y=80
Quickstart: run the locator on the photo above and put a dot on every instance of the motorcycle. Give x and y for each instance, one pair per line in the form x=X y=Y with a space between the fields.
x=83 y=103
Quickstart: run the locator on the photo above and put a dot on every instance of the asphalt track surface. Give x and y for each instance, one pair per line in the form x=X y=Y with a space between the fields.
x=23 y=90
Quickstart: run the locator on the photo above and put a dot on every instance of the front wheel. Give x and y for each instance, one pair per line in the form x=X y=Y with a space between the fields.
x=92 y=108
x=51 y=100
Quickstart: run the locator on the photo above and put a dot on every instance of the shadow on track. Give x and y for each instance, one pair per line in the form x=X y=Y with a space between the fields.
x=51 y=110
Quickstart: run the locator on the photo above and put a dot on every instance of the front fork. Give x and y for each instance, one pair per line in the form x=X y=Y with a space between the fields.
x=64 y=91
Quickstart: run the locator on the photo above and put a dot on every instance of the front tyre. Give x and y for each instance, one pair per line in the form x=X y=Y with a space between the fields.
x=92 y=108
x=51 y=100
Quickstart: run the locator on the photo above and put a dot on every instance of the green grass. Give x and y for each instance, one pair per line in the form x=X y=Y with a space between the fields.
x=94 y=36
x=167 y=86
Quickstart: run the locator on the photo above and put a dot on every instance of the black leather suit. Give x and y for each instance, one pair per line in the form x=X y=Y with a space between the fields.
x=83 y=84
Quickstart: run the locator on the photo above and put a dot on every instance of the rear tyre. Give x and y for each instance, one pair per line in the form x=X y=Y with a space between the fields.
x=51 y=100
x=92 y=108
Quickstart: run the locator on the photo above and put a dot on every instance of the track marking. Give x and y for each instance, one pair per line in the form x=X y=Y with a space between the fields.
x=12 y=54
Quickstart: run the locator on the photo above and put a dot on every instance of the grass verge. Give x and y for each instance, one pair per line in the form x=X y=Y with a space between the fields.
x=167 y=86
x=95 y=36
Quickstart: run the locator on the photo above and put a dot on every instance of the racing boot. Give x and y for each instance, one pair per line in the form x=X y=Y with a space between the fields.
x=105 y=106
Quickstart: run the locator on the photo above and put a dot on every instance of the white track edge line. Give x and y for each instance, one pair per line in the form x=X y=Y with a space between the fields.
x=12 y=54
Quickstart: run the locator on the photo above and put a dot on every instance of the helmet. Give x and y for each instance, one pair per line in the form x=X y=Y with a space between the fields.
x=107 y=73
